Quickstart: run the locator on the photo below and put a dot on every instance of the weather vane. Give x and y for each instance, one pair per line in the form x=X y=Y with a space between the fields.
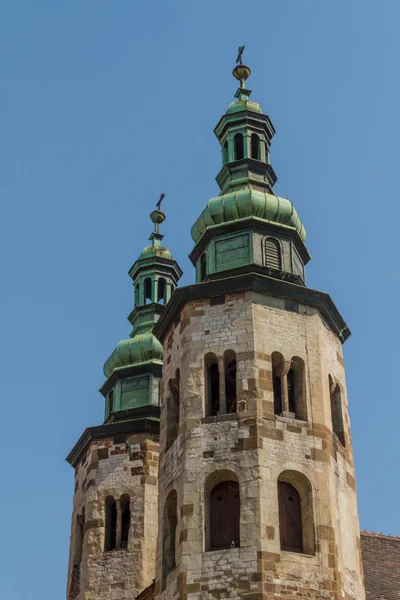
x=157 y=216
x=241 y=72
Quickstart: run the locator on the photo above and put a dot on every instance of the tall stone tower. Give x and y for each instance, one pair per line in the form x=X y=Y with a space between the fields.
x=114 y=520
x=257 y=494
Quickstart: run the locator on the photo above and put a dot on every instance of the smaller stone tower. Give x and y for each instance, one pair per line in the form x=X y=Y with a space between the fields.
x=114 y=520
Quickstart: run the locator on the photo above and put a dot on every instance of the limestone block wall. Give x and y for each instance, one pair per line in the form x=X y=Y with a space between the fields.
x=113 y=467
x=255 y=447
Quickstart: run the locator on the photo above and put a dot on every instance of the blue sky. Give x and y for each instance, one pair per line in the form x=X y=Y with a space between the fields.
x=106 y=104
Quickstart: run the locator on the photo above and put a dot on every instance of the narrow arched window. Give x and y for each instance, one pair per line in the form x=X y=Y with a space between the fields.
x=203 y=266
x=125 y=520
x=337 y=411
x=74 y=587
x=290 y=522
x=211 y=372
x=296 y=515
x=255 y=146
x=148 y=296
x=230 y=380
x=110 y=403
x=238 y=145
x=277 y=368
x=296 y=389
x=273 y=257
x=162 y=288
x=225 y=516
x=110 y=538
x=169 y=535
x=173 y=408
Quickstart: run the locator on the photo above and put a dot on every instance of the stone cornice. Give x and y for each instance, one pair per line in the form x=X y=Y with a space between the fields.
x=144 y=419
x=255 y=280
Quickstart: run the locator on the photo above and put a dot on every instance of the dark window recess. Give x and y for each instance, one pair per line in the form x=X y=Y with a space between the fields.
x=162 y=288
x=203 y=266
x=273 y=258
x=255 y=146
x=225 y=516
x=147 y=291
x=337 y=412
x=238 y=144
x=169 y=535
x=110 y=538
x=213 y=389
x=173 y=401
x=74 y=586
x=291 y=376
x=277 y=387
x=110 y=402
x=125 y=520
x=230 y=385
x=290 y=518
x=215 y=300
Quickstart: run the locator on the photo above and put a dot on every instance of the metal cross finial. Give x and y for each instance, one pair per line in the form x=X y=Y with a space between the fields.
x=240 y=52
x=160 y=200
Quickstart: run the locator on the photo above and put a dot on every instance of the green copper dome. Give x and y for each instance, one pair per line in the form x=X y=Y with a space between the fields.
x=246 y=203
x=139 y=349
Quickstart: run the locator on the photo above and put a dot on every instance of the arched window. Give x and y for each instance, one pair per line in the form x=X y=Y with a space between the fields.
x=296 y=389
x=255 y=146
x=336 y=411
x=296 y=519
x=125 y=519
x=110 y=538
x=110 y=403
x=225 y=515
x=211 y=385
x=203 y=266
x=173 y=407
x=273 y=257
x=169 y=535
x=277 y=368
x=162 y=288
x=238 y=145
x=290 y=518
x=148 y=296
x=230 y=380
x=225 y=155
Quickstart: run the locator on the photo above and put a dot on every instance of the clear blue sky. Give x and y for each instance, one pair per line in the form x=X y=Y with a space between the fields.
x=106 y=104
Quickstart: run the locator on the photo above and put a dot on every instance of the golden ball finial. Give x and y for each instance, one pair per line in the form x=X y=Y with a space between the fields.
x=157 y=216
x=241 y=72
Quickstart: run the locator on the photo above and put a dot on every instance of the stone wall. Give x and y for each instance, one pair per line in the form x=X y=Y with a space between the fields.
x=255 y=447
x=113 y=467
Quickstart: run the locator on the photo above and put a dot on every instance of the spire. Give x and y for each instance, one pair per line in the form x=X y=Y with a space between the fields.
x=155 y=275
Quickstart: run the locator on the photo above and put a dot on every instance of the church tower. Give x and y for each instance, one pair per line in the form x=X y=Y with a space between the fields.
x=114 y=520
x=257 y=495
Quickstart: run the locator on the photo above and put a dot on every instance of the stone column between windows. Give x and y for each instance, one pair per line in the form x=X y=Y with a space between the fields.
x=119 y=524
x=284 y=386
x=222 y=392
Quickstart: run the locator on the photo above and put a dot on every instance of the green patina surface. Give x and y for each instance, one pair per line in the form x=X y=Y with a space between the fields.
x=246 y=203
x=155 y=275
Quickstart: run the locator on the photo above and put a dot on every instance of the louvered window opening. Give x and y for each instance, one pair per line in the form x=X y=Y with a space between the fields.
x=110 y=403
x=273 y=257
x=203 y=267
